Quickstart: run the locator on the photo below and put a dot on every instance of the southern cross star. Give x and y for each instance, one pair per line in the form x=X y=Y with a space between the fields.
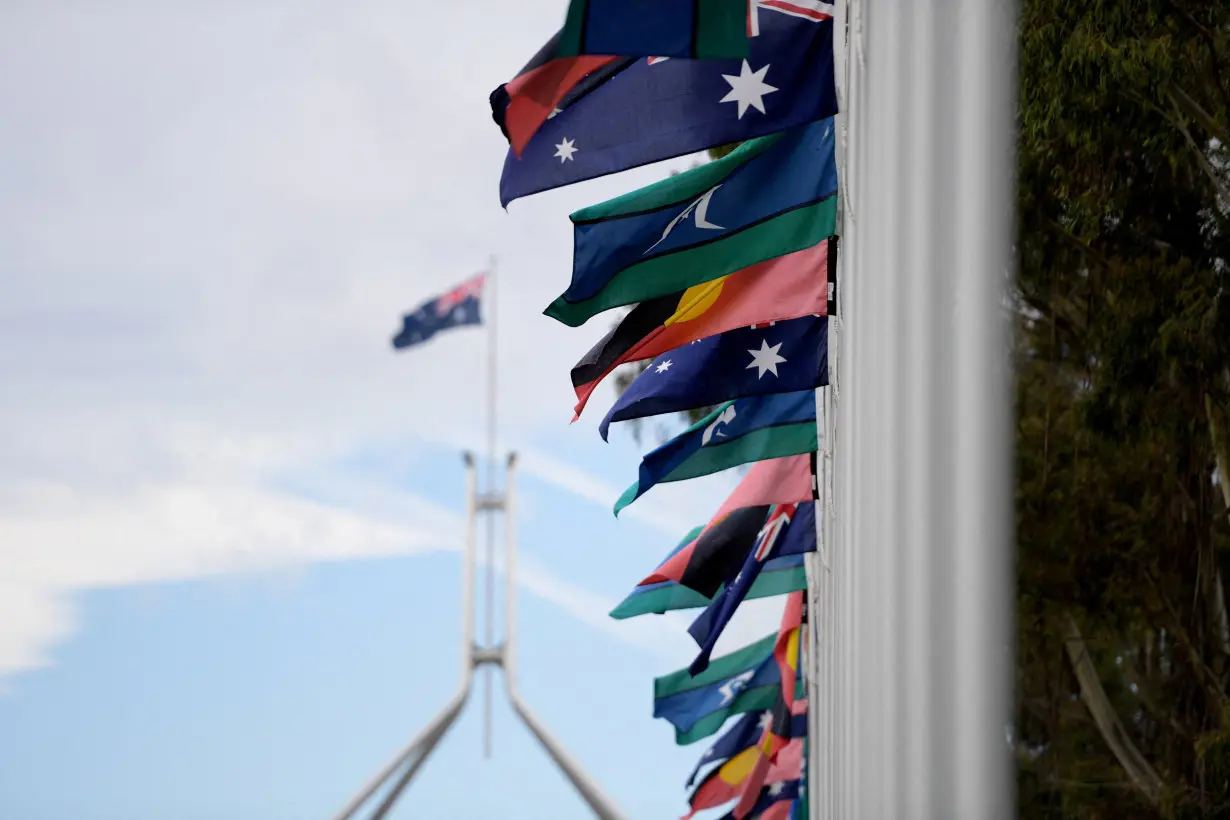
x=776 y=789
x=565 y=150
x=766 y=720
x=662 y=368
x=765 y=360
x=748 y=89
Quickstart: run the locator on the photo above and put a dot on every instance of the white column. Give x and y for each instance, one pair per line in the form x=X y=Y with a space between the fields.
x=921 y=541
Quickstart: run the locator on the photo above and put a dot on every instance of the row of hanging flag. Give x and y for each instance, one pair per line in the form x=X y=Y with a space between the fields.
x=729 y=272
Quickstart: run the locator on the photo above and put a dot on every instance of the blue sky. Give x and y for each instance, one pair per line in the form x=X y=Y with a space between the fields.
x=229 y=514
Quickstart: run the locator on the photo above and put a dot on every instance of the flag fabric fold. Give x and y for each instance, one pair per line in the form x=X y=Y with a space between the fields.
x=777 y=736
x=790 y=529
x=706 y=30
x=654 y=109
x=744 y=734
x=744 y=681
x=777 y=357
x=776 y=801
x=736 y=432
x=769 y=197
x=713 y=556
x=776 y=290
x=777 y=481
x=726 y=782
x=457 y=308
x=779 y=576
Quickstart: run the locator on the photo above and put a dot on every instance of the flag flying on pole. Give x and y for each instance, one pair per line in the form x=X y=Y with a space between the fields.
x=775 y=357
x=744 y=681
x=772 y=291
x=779 y=576
x=777 y=481
x=790 y=529
x=601 y=38
x=713 y=556
x=654 y=109
x=744 y=734
x=736 y=432
x=727 y=781
x=769 y=197
x=458 y=307
x=707 y=30
x=547 y=83
x=777 y=736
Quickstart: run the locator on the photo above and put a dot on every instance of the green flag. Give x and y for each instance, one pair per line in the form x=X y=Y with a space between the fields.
x=755 y=428
x=770 y=197
x=748 y=680
x=693 y=29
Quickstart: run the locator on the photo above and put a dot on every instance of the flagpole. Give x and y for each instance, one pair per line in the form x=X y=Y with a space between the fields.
x=489 y=621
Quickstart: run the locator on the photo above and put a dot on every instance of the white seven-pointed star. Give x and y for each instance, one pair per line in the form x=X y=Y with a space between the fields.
x=555 y=111
x=748 y=89
x=766 y=720
x=776 y=788
x=662 y=368
x=765 y=359
x=565 y=150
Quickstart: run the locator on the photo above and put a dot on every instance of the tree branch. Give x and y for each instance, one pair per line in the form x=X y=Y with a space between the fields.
x=1142 y=775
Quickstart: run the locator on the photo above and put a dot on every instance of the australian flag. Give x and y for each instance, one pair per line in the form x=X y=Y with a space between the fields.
x=656 y=108
x=458 y=307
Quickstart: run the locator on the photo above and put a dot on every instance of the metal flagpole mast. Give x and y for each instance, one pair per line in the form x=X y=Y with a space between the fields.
x=488 y=624
x=922 y=549
x=402 y=769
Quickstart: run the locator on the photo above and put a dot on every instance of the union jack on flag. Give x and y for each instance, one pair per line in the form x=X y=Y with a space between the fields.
x=470 y=289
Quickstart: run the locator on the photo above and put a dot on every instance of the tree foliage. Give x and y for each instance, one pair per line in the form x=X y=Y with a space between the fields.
x=1123 y=646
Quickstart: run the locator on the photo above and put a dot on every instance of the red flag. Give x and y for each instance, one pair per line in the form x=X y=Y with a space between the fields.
x=777 y=735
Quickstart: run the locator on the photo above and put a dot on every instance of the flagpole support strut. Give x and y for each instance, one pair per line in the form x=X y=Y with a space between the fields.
x=411 y=759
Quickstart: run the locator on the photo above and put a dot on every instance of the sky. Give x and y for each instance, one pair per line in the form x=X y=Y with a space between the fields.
x=230 y=515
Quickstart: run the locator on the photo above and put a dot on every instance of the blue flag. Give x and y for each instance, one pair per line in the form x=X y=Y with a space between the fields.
x=782 y=357
x=460 y=306
x=733 y=212
x=655 y=108
x=745 y=733
x=789 y=530
x=737 y=432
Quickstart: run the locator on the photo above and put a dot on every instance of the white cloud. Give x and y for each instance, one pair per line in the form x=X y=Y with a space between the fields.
x=211 y=221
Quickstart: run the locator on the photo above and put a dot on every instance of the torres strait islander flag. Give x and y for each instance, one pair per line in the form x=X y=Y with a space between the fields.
x=736 y=432
x=769 y=197
x=578 y=122
x=787 y=287
x=744 y=681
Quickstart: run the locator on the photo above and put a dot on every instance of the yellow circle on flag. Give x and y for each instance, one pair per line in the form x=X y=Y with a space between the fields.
x=696 y=300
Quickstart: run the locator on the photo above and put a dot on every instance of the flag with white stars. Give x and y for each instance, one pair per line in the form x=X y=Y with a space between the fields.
x=757 y=428
x=460 y=306
x=778 y=357
x=651 y=110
